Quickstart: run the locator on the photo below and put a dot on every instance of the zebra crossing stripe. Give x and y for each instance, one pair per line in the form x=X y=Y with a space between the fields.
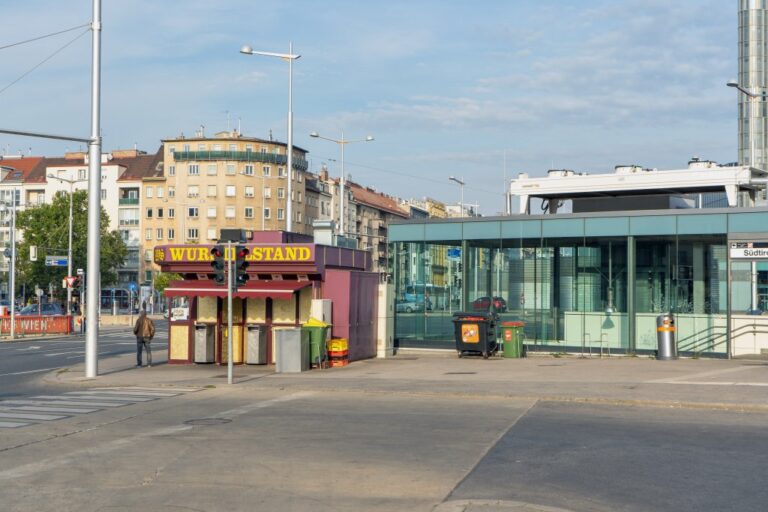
x=30 y=416
x=12 y=424
x=139 y=388
x=62 y=402
x=153 y=394
x=67 y=410
x=77 y=396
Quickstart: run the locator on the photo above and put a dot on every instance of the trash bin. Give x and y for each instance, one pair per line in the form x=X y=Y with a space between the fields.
x=291 y=349
x=318 y=334
x=665 y=337
x=475 y=332
x=256 y=344
x=512 y=338
x=204 y=343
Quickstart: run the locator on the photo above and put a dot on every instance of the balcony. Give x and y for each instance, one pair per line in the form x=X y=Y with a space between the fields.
x=126 y=201
x=238 y=156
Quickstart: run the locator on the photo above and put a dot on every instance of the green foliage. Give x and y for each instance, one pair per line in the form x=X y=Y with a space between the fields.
x=47 y=227
x=163 y=279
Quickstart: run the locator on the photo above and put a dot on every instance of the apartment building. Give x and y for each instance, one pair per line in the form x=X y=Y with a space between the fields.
x=223 y=181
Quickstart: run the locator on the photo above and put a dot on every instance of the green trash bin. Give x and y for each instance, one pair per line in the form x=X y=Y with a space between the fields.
x=512 y=336
x=318 y=332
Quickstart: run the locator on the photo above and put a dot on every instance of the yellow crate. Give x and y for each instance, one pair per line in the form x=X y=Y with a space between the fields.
x=337 y=345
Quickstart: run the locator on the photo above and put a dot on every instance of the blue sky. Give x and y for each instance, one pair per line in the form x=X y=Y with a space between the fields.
x=446 y=87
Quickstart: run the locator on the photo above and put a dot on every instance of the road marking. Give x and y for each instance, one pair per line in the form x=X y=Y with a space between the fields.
x=682 y=378
x=27 y=348
x=74 y=410
x=138 y=388
x=77 y=396
x=130 y=441
x=30 y=416
x=707 y=383
x=12 y=424
x=30 y=371
x=54 y=354
x=129 y=393
x=61 y=402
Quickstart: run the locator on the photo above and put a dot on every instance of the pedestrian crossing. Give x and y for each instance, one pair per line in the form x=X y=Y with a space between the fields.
x=26 y=411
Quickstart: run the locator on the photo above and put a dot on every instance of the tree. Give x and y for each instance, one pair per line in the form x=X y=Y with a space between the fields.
x=163 y=279
x=47 y=227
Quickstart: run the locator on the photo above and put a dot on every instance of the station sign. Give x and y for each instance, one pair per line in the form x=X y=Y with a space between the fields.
x=56 y=261
x=749 y=250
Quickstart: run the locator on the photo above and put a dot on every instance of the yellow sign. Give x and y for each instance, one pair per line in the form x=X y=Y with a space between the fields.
x=258 y=254
x=470 y=333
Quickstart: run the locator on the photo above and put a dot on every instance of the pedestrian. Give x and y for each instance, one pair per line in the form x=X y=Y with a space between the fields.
x=144 y=331
x=82 y=319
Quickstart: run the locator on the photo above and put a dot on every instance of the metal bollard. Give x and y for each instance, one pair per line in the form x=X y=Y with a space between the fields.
x=665 y=337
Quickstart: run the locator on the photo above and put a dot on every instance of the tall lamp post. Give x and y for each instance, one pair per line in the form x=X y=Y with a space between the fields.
x=290 y=57
x=461 y=184
x=341 y=142
x=71 y=183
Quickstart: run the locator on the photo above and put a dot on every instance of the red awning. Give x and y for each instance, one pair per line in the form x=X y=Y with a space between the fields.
x=255 y=289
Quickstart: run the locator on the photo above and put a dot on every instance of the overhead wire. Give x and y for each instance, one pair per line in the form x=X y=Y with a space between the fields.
x=44 y=61
x=43 y=37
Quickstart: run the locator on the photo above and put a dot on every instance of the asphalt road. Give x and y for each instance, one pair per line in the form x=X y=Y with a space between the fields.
x=22 y=363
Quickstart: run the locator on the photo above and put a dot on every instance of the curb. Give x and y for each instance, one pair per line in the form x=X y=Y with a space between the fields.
x=493 y=506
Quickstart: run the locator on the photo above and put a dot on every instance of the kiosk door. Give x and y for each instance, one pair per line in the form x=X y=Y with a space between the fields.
x=749 y=307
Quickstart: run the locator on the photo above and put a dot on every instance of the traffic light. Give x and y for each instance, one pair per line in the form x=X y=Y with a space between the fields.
x=241 y=266
x=219 y=265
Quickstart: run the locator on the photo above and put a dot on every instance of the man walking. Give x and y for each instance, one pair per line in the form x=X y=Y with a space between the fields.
x=144 y=331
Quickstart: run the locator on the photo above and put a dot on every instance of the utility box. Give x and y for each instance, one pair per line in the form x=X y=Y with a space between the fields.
x=291 y=349
x=256 y=344
x=321 y=309
x=205 y=339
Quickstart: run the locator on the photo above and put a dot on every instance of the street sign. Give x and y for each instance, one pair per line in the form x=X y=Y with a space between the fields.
x=55 y=261
x=80 y=272
x=454 y=253
x=70 y=281
x=7 y=252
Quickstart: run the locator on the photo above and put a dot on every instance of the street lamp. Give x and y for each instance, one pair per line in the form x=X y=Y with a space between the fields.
x=341 y=142
x=290 y=57
x=71 y=182
x=461 y=184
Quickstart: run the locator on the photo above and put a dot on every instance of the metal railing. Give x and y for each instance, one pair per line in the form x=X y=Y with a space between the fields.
x=239 y=156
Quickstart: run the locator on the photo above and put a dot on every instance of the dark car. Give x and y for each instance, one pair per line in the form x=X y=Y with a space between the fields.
x=49 y=309
x=484 y=304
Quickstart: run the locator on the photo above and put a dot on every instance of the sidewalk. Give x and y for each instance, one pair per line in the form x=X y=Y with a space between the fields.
x=695 y=383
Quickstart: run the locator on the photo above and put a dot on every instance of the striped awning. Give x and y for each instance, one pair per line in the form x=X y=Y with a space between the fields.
x=253 y=289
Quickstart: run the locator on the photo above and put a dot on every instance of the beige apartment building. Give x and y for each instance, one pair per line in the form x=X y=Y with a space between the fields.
x=224 y=181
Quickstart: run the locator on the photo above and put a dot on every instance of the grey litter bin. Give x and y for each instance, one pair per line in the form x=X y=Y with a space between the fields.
x=666 y=337
x=204 y=343
x=256 y=344
x=291 y=349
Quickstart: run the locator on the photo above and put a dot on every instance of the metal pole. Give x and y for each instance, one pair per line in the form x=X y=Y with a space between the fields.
x=230 y=358
x=69 y=253
x=289 y=224
x=94 y=201
x=12 y=279
x=263 y=201
x=461 y=207
x=342 y=224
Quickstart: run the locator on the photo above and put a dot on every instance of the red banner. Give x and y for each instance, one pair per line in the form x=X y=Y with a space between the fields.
x=37 y=325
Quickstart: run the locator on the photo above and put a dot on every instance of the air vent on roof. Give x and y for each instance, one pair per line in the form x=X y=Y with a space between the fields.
x=628 y=169
x=560 y=173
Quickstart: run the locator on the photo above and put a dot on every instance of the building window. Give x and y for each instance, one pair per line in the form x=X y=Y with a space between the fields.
x=159 y=213
x=267 y=214
x=248 y=212
x=171 y=213
x=149 y=213
x=159 y=233
x=267 y=192
x=211 y=190
x=299 y=196
x=149 y=191
x=217 y=147
x=212 y=234
x=194 y=170
x=171 y=170
x=201 y=147
x=186 y=147
x=193 y=234
x=192 y=212
x=82 y=174
x=249 y=148
x=281 y=171
x=211 y=212
x=230 y=169
x=281 y=193
x=266 y=170
x=280 y=214
x=229 y=212
x=171 y=233
x=298 y=216
x=211 y=169
x=249 y=192
x=248 y=170
x=103 y=196
x=148 y=234
x=193 y=191
x=231 y=191
x=171 y=191
x=160 y=192
x=233 y=147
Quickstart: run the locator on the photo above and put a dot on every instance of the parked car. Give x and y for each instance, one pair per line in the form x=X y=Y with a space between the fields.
x=49 y=309
x=484 y=304
x=409 y=307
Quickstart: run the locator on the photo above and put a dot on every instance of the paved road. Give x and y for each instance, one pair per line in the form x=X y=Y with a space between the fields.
x=23 y=362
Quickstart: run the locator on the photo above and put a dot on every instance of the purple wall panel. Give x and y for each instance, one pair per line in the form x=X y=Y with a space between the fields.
x=354 y=296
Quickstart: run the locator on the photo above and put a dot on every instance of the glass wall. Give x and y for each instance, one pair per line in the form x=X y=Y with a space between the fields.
x=574 y=294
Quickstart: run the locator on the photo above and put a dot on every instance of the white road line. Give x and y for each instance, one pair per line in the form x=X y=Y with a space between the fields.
x=129 y=442
x=138 y=388
x=11 y=424
x=54 y=354
x=56 y=401
x=682 y=378
x=30 y=371
x=129 y=393
x=30 y=416
x=76 y=396
x=66 y=410
x=707 y=383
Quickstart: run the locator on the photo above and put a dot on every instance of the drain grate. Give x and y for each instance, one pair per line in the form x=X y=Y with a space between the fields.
x=208 y=421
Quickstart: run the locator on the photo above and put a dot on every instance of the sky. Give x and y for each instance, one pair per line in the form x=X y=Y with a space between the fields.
x=480 y=90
